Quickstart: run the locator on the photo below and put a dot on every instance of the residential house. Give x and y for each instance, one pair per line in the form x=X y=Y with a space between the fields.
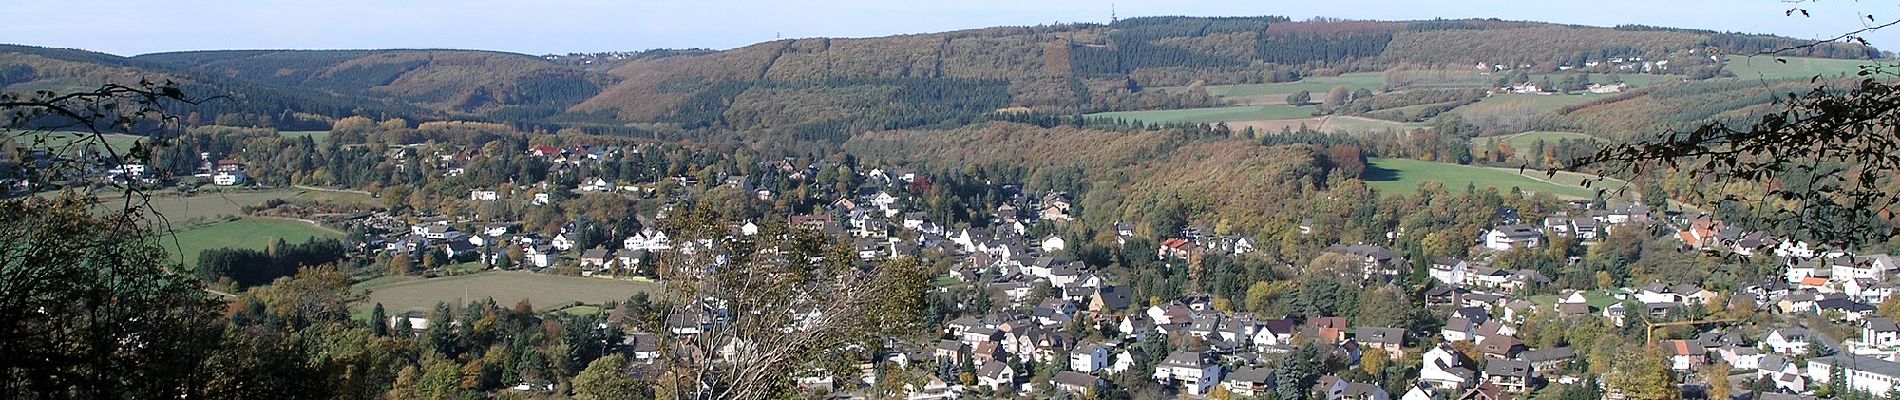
x=1511 y=375
x=1500 y=347
x=1684 y=355
x=1192 y=372
x=996 y=376
x=1333 y=388
x=1389 y=340
x=1880 y=332
x=1512 y=236
x=1790 y=341
x=1249 y=382
x=1075 y=382
x=1443 y=369
x=1089 y=358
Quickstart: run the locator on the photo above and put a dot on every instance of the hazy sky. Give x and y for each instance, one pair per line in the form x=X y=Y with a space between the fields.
x=129 y=27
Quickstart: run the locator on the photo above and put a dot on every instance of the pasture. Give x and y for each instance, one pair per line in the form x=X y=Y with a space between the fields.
x=1397 y=175
x=506 y=287
x=182 y=210
x=320 y=137
x=1275 y=93
x=248 y=233
x=1523 y=142
x=72 y=143
x=1767 y=68
x=1325 y=124
x=1529 y=103
x=1210 y=115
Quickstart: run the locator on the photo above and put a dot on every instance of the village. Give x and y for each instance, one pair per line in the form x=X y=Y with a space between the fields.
x=1041 y=297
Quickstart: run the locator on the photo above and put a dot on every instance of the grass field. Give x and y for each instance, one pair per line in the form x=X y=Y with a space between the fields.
x=1765 y=67
x=506 y=287
x=1326 y=124
x=181 y=210
x=1523 y=142
x=320 y=137
x=1318 y=85
x=1530 y=103
x=249 y=233
x=71 y=143
x=1396 y=175
x=1211 y=115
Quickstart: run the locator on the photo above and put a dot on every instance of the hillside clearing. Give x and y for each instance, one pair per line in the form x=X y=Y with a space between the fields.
x=248 y=233
x=1210 y=115
x=1523 y=143
x=1396 y=176
x=182 y=211
x=1351 y=124
x=506 y=287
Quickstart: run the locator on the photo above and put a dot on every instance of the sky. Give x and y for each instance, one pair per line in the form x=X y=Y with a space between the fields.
x=131 y=27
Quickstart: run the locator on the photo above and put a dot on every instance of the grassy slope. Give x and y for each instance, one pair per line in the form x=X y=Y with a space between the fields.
x=1318 y=86
x=73 y=141
x=506 y=287
x=1394 y=175
x=251 y=233
x=1524 y=141
x=181 y=211
x=1764 y=67
x=1212 y=115
x=320 y=137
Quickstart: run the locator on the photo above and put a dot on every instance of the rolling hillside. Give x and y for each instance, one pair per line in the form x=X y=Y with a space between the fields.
x=831 y=89
x=26 y=69
x=505 y=85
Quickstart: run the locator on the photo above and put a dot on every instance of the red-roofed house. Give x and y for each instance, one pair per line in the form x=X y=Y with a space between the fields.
x=1177 y=248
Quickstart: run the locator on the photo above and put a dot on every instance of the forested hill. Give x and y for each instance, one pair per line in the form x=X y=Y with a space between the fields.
x=27 y=69
x=500 y=86
x=836 y=86
x=831 y=89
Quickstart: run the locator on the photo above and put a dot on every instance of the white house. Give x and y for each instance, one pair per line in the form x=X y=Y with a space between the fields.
x=648 y=239
x=1191 y=371
x=483 y=195
x=1442 y=370
x=1053 y=243
x=1449 y=271
x=1089 y=358
x=996 y=375
x=229 y=178
x=1787 y=341
x=1880 y=332
x=1511 y=236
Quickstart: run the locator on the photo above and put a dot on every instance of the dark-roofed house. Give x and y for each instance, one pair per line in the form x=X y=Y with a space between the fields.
x=1333 y=388
x=1548 y=360
x=996 y=376
x=1249 y=381
x=1500 y=347
x=1192 y=372
x=1075 y=382
x=1390 y=340
x=1109 y=299
x=1880 y=332
x=1510 y=375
